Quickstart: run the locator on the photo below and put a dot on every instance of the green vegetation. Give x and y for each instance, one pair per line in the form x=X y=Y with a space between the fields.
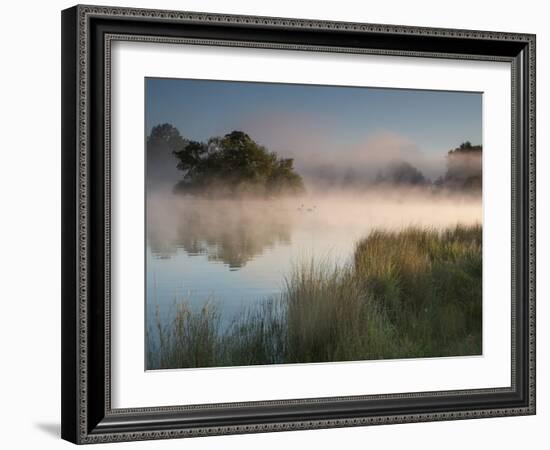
x=410 y=293
x=235 y=165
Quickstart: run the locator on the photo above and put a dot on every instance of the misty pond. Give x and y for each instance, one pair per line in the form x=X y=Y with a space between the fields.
x=281 y=231
x=237 y=252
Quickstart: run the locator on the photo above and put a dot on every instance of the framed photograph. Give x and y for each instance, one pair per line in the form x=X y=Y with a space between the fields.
x=278 y=224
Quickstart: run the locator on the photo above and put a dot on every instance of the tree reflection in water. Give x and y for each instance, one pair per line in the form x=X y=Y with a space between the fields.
x=232 y=232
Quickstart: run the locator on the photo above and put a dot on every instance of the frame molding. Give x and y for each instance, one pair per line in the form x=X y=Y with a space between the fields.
x=87 y=33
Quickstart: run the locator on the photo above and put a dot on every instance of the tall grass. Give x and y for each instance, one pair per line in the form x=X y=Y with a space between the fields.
x=190 y=340
x=429 y=285
x=409 y=293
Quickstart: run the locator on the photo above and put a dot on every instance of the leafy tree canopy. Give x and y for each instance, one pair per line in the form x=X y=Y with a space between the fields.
x=235 y=164
x=464 y=148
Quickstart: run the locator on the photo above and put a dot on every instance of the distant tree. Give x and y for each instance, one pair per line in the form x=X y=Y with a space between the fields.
x=235 y=164
x=401 y=173
x=163 y=141
x=166 y=134
x=464 y=167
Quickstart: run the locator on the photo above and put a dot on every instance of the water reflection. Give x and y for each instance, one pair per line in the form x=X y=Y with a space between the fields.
x=226 y=231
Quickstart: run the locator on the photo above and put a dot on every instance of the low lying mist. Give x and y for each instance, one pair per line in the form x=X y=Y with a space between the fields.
x=234 y=231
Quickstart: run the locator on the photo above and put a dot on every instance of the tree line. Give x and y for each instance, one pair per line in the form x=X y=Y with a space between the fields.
x=234 y=164
x=230 y=165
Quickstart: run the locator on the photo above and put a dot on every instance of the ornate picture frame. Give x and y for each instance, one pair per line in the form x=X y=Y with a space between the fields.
x=88 y=33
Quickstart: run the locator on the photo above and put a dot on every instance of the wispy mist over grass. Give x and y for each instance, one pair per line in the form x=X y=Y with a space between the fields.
x=408 y=293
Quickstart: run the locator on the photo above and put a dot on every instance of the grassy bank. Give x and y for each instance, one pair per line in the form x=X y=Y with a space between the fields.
x=410 y=293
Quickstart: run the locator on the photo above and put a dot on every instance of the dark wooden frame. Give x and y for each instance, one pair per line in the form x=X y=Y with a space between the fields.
x=87 y=32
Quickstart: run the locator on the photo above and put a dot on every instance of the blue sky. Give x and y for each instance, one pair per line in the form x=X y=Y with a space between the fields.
x=307 y=121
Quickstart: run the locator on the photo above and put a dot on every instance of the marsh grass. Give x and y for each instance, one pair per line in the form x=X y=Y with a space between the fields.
x=191 y=339
x=407 y=294
x=429 y=285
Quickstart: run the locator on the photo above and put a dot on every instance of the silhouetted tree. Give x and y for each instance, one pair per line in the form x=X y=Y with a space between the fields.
x=464 y=167
x=235 y=164
x=163 y=141
x=401 y=173
x=166 y=134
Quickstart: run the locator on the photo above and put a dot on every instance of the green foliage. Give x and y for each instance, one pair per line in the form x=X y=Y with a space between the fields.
x=408 y=294
x=429 y=284
x=235 y=164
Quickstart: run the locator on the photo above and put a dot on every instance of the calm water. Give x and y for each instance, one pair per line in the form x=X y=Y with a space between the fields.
x=239 y=252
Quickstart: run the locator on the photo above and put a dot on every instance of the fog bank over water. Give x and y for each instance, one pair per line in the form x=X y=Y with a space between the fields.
x=235 y=231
